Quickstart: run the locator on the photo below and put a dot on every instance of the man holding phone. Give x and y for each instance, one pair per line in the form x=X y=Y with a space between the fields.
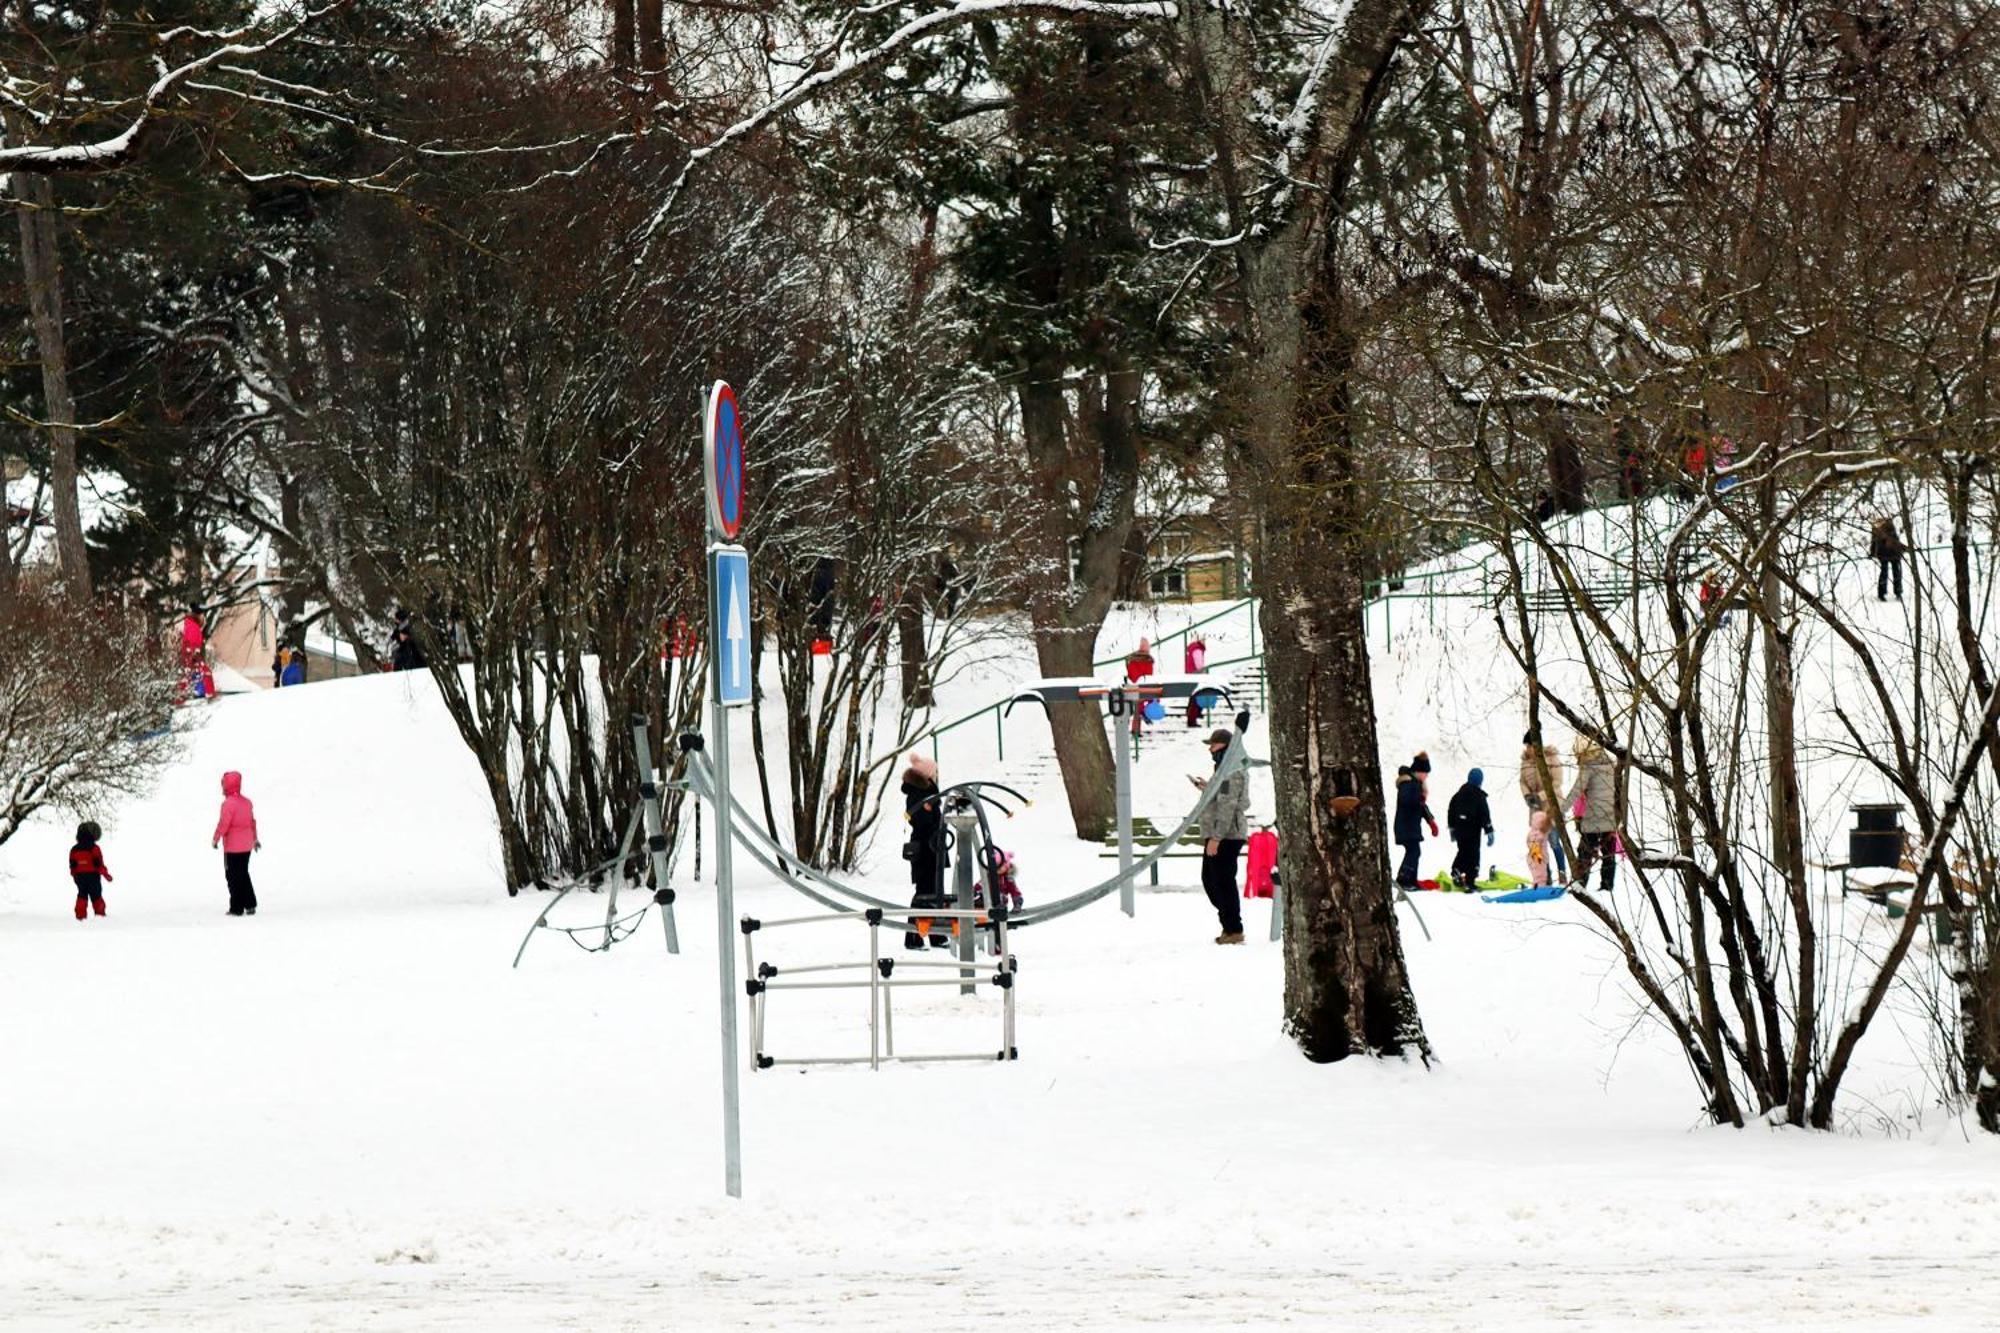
x=1225 y=824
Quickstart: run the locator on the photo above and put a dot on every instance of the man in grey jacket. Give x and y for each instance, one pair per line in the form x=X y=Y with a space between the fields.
x=1225 y=825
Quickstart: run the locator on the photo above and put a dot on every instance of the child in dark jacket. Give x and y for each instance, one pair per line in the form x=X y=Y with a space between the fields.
x=1411 y=816
x=86 y=867
x=1467 y=817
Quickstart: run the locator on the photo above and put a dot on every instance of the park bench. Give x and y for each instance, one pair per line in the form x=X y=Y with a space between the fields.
x=1146 y=836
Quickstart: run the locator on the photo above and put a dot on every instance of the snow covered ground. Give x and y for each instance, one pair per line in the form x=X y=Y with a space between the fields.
x=349 y=1113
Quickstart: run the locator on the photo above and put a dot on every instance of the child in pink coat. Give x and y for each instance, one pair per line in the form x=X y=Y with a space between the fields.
x=1538 y=847
x=236 y=835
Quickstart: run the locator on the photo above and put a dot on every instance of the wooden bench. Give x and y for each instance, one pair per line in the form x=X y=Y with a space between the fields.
x=1558 y=600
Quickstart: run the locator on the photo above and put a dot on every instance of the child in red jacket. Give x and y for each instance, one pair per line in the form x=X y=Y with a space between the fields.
x=86 y=867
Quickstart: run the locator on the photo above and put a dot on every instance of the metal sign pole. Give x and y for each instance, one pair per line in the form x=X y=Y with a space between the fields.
x=725 y=952
x=729 y=685
x=1127 y=894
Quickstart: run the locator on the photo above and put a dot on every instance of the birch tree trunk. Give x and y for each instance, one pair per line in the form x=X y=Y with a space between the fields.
x=41 y=270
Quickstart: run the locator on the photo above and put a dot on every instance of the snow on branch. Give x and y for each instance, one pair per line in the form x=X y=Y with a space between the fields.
x=115 y=151
x=1607 y=312
x=866 y=62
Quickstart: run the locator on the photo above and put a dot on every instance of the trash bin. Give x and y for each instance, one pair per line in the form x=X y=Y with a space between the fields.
x=1876 y=839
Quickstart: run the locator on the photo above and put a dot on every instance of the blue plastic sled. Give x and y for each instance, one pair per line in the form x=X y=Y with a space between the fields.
x=1532 y=895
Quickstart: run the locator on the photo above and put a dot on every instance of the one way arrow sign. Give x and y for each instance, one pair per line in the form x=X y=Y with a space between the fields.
x=729 y=623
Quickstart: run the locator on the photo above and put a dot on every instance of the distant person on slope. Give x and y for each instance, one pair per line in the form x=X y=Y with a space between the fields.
x=87 y=869
x=1468 y=816
x=1194 y=661
x=1593 y=798
x=1412 y=813
x=1225 y=825
x=1885 y=545
x=236 y=835
x=925 y=850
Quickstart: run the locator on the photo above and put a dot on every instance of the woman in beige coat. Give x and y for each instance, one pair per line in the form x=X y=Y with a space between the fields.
x=1597 y=785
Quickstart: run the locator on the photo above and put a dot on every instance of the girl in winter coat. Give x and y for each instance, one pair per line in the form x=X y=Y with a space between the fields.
x=236 y=835
x=925 y=850
x=87 y=869
x=1412 y=814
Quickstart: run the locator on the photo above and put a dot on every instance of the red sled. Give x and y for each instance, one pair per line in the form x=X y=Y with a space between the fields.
x=1262 y=850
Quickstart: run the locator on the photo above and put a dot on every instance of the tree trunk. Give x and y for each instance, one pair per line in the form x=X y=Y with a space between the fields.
x=1788 y=853
x=1068 y=614
x=1347 y=990
x=41 y=268
x=652 y=34
x=914 y=681
x=622 y=42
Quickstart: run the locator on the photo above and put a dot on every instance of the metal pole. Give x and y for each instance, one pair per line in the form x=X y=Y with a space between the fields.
x=965 y=839
x=1127 y=894
x=875 y=993
x=725 y=954
x=656 y=837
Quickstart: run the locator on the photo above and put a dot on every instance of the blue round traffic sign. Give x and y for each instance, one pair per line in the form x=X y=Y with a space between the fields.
x=723 y=462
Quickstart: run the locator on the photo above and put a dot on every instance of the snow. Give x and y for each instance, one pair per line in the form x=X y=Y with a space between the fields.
x=348 y=1112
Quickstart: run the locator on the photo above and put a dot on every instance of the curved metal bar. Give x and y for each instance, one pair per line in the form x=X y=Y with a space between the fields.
x=541 y=919
x=767 y=853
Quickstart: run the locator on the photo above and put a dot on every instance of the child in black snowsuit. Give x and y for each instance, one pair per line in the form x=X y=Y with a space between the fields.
x=1467 y=817
x=925 y=850
x=86 y=867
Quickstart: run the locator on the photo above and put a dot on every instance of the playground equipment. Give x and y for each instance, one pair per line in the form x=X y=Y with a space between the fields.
x=1121 y=700
x=615 y=928
x=879 y=976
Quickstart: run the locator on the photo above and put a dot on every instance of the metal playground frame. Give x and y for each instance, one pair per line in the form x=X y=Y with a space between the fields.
x=879 y=978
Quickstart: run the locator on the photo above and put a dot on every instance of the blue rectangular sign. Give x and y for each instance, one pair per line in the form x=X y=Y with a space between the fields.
x=729 y=624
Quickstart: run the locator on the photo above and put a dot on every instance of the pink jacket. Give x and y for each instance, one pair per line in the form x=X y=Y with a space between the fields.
x=1538 y=847
x=237 y=828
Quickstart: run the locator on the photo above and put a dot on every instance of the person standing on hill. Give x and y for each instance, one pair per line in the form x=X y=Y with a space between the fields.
x=925 y=850
x=1594 y=800
x=1885 y=545
x=1194 y=660
x=1225 y=825
x=1541 y=796
x=87 y=869
x=1412 y=814
x=236 y=835
x=1468 y=816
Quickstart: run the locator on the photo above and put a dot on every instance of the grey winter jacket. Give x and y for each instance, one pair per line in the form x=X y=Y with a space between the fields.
x=1228 y=815
x=1596 y=782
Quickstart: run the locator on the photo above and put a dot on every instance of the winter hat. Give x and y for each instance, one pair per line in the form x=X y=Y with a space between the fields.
x=926 y=769
x=1538 y=821
x=1422 y=763
x=1403 y=771
x=88 y=831
x=1477 y=777
x=1221 y=736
